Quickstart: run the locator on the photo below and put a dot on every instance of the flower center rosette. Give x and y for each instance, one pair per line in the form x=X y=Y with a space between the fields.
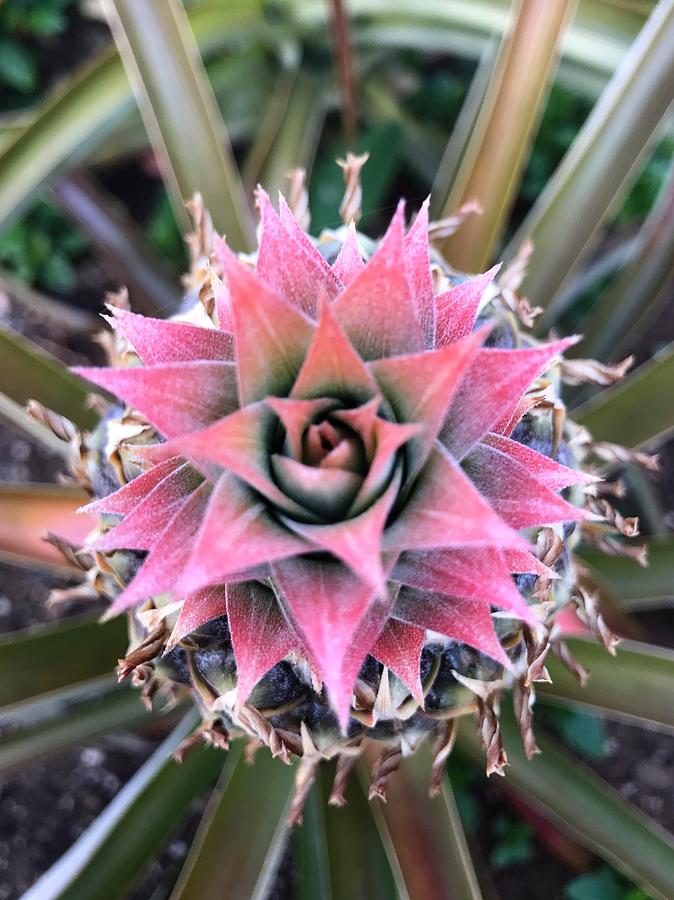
x=334 y=478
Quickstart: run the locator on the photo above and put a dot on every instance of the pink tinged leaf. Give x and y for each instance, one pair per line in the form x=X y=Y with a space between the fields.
x=164 y=565
x=418 y=263
x=332 y=368
x=295 y=416
x=506 y=425
x=467 y=621
x=159 y=341
x=176 y=399
x=143 y=525
x=349 y=262
x=237 y=534
x=332 y=283
x=130 y=495
x=477 y=574
x=328 y=492
x=399 y=647
x=326 y=602
x=518 y=496
x=390 y=437
x=223 y=304
x=549 y=472
x=363 y=420
x=272 y=336
x=357 y=541
x=456 y=309
x=420 y=388
x=240 y=444
x=520 y=561
x=261 y=635
x=377 y=310
x=287 y=260
x=491 y=390
x=569 y=625
x=445 y=509
x=198 y=609
x=362 y=643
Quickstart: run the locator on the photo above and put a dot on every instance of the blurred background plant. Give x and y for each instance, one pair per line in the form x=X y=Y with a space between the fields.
x=100 y=144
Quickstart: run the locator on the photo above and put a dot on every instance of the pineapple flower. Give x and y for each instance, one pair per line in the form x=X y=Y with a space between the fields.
x=336 y=473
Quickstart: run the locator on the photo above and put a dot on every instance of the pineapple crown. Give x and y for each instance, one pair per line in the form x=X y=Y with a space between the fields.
x=334 y=469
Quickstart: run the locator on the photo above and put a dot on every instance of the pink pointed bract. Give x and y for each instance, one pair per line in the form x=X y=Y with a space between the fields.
x=338 y=477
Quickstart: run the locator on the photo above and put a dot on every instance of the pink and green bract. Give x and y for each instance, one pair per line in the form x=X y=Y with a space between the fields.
x=336 y=474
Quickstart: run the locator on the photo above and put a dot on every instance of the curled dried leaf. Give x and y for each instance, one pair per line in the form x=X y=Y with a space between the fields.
x=298 y=196
x=345 y=764
x=387 y=763
x=443 y=745
x=443 y=228
x=350 y=208
x=590 y=371
x=614 y=453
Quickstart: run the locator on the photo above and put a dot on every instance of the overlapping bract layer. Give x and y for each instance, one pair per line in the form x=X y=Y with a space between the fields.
x=337 y=474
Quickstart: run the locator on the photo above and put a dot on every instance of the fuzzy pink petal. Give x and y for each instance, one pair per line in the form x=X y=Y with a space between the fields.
x=377 y=310
x=445 y=509
x=272 y=336
x=548 y=471
x=159 y=341
x=420 y=388
x=515 y=492
x=326 y=603
x=288 y=262
x=296 y=416
x=467 y=621
x=418 y=263
x=129 y=496
x=176 y=399
x=477 y=574
x=240 y=443
x=491 y=389
x=349 y=262
x=399 y=647
x=143 y=525
x=356 y=542
x=261 y=635
x=164 y=565
x=237 y=534
x=332 y=367
x=455 y=310
x=198 y=609
x=329 y=492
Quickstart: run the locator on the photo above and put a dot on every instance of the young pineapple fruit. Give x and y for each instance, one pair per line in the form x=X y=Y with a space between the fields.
x=339 y=497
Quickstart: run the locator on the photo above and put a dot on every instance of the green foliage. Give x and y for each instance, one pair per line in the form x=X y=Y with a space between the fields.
x=163 y=231
x=514 y=842
x=383 y=142
x=43 y=248
x=565 y=112
x=23 y=23
x=643 y=194
x=579 y=731
x=604 y=884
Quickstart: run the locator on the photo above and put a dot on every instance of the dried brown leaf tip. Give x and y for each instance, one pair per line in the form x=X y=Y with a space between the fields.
x=298 y=196
x=440 y=229
x=590 y=371
x=350 y=208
